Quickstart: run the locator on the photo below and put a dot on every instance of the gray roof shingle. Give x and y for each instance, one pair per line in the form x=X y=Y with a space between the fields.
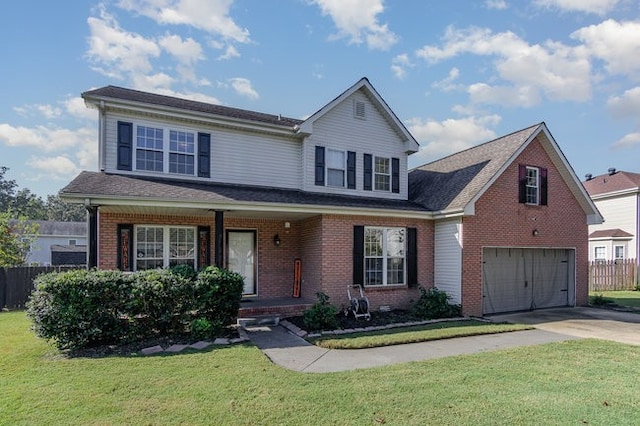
x=131 y=95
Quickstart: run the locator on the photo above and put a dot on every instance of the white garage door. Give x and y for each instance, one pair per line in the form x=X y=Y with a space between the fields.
x=518 y=279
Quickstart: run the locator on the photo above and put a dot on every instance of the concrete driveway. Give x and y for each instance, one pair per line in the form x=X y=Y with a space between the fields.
x=585 y=322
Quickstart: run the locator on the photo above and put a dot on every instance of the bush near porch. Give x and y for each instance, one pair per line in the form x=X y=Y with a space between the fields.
x=79 y=309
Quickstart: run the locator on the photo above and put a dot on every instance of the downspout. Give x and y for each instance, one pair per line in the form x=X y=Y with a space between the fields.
x=637 y=238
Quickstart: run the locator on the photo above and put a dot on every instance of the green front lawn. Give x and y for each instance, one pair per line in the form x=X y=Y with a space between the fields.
x=622 y=298
x=575 y=382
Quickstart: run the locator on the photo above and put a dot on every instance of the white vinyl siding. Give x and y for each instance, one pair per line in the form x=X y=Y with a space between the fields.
x=448 y=258
x=339 y=130
x=236 y=157
x=619 y=213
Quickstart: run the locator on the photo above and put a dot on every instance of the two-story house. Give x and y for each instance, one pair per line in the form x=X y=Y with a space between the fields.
x=301 y=206
x=617 y=195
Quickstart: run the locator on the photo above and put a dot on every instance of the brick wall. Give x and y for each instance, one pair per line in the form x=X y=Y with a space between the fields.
x=501 y=221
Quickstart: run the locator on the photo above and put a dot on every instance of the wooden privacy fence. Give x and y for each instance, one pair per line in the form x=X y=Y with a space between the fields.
x=613 y=275
x=16 y=284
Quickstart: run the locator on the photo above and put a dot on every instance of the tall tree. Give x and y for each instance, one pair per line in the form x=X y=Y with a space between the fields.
x=26 y=204
x=64 y=212
x=16 y=237
x=7 y=190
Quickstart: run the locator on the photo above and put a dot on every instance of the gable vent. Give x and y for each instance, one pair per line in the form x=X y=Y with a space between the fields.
x=358 y=109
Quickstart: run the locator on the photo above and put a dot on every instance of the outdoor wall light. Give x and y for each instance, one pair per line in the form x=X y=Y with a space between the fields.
x=535 y=233
x=276 y=239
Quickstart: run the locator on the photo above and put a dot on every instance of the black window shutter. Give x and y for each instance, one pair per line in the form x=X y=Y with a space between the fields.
x=204 y=246
x=395 y=175
x=125 y=247
x=543 y=186
x=125 y=145
x=351 y=170
x=522 y=183
x=412 y=257
x=368 y=172
x=358 y=255
x=204 y=155
x=320 y=165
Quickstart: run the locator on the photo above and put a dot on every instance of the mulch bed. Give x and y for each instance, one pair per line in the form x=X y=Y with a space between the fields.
x=349 y=321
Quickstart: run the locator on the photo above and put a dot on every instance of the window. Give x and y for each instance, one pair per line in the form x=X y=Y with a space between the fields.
x=181 y=152
x=164 y=246
x=382 y=174
x=600 y=253
x=619 y=252
x=335 y=167
x=384 y=256
x=149 y=149
x=532 y=185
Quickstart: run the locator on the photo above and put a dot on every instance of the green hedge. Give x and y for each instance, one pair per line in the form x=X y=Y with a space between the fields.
x=80 y=308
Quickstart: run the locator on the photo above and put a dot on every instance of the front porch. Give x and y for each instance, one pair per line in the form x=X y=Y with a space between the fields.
x=279 y=306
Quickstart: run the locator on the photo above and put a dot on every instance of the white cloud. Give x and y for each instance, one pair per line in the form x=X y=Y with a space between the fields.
x=114 y=51
x=49 y=111
x=44 y=138
x=399 y=65
x=496 y=4
x=229 y=53
x=599 y=7
x=211 y=16
x=616 y=43
x=243 y=87
x=448 y=84
x=357 y=20
x=76 y=107
x=186 y=51
x=627 y=105
x=440 y=138
x=521 y=96
x=56 y=168
x=629 y=140
x=560 y=72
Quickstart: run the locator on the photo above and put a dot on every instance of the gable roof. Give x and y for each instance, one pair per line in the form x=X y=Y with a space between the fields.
x=612 y=183
x=468 y=174
x=136 y=97
x=365 y=86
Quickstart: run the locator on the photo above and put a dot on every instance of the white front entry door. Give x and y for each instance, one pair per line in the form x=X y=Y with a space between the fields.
x=241 y=257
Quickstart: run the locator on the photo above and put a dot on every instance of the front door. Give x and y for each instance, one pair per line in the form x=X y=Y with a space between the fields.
x=241 y=257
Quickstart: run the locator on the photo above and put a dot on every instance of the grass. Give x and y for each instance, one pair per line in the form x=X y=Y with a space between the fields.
x=422 y=333
x=575 y=382
x=622 y=298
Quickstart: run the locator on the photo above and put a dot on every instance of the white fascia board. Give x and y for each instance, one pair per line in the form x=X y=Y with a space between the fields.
x=614 y=194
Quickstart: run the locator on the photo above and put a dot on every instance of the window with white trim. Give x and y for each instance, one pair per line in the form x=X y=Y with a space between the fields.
x=336 y=166
x=600 y=253
x=618 y=252
x=532 y=185
x=384 y=256
x=382 y=174
x=165 y=150
x=164 y=246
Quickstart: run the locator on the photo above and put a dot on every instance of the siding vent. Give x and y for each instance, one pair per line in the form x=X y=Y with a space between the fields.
x=358 y=109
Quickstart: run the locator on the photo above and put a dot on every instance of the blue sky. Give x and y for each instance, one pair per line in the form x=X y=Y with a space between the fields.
x=457 y=73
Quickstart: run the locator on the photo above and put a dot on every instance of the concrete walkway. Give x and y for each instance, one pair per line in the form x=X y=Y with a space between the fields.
x=551 y=325
x=292 y=352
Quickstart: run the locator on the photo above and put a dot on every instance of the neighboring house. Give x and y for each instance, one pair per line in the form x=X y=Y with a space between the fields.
x=51 y=236
x=182 y=181
x=617 y=196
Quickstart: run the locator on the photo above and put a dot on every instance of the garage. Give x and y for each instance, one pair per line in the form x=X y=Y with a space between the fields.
x=518 y=279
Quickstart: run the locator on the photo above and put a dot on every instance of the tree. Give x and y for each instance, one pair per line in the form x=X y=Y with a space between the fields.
x=28 y=205
x=64 y=212
x=16 y=237
x=7 y=190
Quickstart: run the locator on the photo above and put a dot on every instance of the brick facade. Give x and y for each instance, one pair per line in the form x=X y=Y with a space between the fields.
x=500 y=221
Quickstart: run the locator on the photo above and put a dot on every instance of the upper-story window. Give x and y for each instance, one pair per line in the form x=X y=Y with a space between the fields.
x=163 y=149
x=149 y=149
x=336 y=165
x=181 y=152
x=382 y=174
x=533 y=185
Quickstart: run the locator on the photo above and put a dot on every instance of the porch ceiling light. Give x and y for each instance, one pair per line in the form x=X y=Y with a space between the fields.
x=276 y=240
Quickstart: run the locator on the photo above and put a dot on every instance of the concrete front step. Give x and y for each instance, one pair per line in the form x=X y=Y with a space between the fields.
x=258 y=320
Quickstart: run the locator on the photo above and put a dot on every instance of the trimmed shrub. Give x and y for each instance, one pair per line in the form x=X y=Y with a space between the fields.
x=434 y=303
x=321 y=315
x=80 y=308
